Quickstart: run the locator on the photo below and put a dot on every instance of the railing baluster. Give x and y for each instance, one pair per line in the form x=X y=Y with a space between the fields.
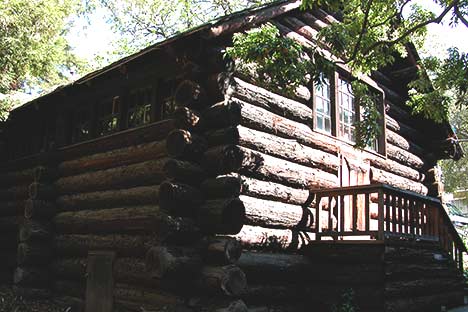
x=394 y=204
x=367 y=211
x=426 y=219
x=406 y=214
x=411 y=207
x=318 y=224
x=387 y=212
x=354 y=213
x=330 y=214
x=401 y=200
x=342 y=213
x=380 y=235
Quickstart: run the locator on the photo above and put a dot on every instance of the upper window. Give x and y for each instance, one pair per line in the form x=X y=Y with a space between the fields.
x=139 y=107
x=109 y=113
x=323 y=106
x=346 y=110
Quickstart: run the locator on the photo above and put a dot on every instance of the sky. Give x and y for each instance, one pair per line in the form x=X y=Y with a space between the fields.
x=94 y=38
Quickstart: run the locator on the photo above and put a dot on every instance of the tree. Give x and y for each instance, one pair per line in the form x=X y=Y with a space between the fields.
x=33 y=50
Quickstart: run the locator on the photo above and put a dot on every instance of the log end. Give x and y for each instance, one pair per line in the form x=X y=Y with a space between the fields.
x=234 y=282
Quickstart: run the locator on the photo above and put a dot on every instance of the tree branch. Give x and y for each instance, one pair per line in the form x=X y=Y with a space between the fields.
x=460 y=16
x=363 y=30
x=398 y=13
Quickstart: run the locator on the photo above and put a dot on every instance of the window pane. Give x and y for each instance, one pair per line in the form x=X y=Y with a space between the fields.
x=346 y=110
x=322 y=106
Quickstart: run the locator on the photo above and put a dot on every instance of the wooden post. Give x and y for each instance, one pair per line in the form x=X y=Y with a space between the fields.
x=318 y=224
x=380 y=235
x=100 y=282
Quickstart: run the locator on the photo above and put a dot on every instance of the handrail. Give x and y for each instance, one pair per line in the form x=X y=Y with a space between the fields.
x=380 y=211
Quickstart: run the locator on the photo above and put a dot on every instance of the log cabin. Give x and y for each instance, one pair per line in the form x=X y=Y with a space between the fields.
x=205 y=191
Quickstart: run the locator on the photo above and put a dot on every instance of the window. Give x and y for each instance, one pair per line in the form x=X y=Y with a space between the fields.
x=336 y=111
x=81 y=126
x=108 y=120
x=139 y=107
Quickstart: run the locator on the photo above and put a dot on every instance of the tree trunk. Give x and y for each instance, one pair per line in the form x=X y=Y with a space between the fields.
x=173 y=262
x=142 y=195
x=227 y=159
x=182 y=144
x=113 y=158
x=145 y=173
x=275 y=146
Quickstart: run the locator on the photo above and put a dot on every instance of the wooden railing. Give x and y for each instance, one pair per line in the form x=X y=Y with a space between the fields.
x=379 y=211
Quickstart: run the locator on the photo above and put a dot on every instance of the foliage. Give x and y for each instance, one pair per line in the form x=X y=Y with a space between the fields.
x=33 y=48
x=346 y=303
x=271 y=58
x=144 y=22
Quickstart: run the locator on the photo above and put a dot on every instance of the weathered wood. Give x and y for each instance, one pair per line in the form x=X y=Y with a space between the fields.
x=255 y=237
x=421 y=287
x=173 y=262
x=273 y=102
x=405 y=144
x=34 y=253
x=184 y=171
x=14 y=193
x=228 y=280
x=235 y=158
x=113 y=158
x=29 y=276
x=183 y=144
x=189 y=93
x=149 y=133
x=275 y=146
x=34 y=231
x=179 y=199
x=432 y=302
x=145 y=173
x=142 y=219
x=404 y=157
x=139 y=295
x=123 y=245
x=396 y=168
x=300 y=27
x=221 y=250
x=12 y=208
x=142 y=195
x=381 y=176
x=404 y=130
x=39 y=209
x=224 y=216
x=100 y=282
x=188 y=119
x=45 y=174
x=40 y=191
x=10 y=178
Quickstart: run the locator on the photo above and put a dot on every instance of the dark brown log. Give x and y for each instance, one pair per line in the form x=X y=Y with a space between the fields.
x=273 y=102
x=14 y=193
x=221 y=250
x=45 y=174
x=404 y=157
x=188 y=119
x=182 y=144
x=225 y=216
x=255 y=237
x=432 y=302
x=16 y=177
x=143 y=219
x=173 y=262
x=229 y=280
x=234 y=158
x=113 y=158
x=303 y=29
x=380 y=176
x=29 y=276
x=34 y=231
x=34 y=253
x=142 y=195
x=253 y=18
x=10 y=224
x=145 y=173
x=189 y=93
x=275 y=146
x=39 y=191
x=12 y=208
x=39 y=209
x=139 y=295
x=396 y=168
x=180 y=199
x=404 y=130
x=150 y=133
x=123 y=245
x=222 y=186
x=421 y=287
x=184 y=171
x=405 y=144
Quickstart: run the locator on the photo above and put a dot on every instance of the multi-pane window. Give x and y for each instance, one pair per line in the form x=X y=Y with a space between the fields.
x=346 y=110
x=81 y=126
x=139 y=107
x=323 y=106
x=109 y=111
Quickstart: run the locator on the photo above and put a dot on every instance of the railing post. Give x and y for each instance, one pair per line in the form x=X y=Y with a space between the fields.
x=318 y=224
x=380 y=235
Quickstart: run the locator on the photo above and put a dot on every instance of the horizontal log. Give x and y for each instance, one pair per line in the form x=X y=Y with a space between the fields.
x=184 y=171
x=9 y=178
x=180 y=199
x=405 y=130
x=188 y=119
x=396 y=168
x=405 y=157
x=405 y=144
x=32 y=293
x=426 y=303
x=141 y=195
x=15 y=193
x=228 y=280
x=173 y=262
x=255 y=237
x=221 y=250
x=30 y=276
x=300 y=27
x=189 y=93
x=12 y=208
x=234 y=158
x=183 y=144
x=113 y=158
x=421 y=287
x=124 y=245
x=273 y=102
x=380 y=176
x=41 y=191
x=145 y=173
x=141 y=295
x=275 y=146
x=44 y=174
x=131 y=137
x=143 y=219
x=39 y=209
x=224 y=216
x=35 y=231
